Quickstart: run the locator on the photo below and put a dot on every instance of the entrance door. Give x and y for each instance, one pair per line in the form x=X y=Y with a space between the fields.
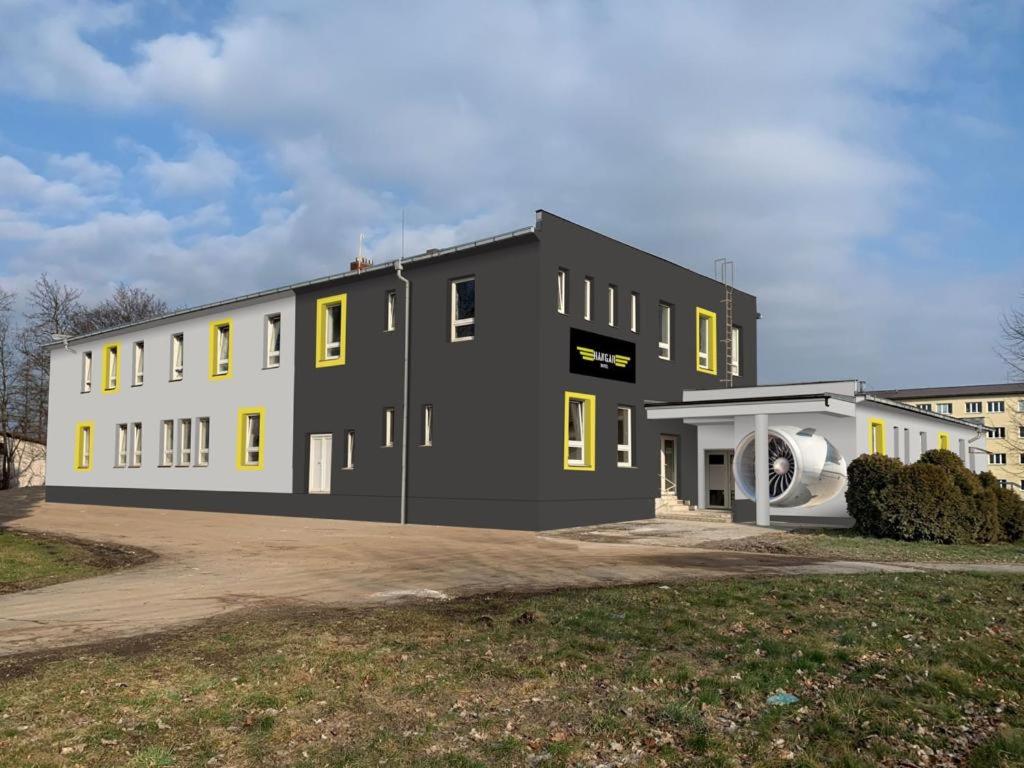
x=668 y=465
x=719 y=479
x=319 y=463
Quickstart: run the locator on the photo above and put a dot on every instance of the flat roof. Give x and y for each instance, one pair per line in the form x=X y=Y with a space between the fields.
x=966 y=390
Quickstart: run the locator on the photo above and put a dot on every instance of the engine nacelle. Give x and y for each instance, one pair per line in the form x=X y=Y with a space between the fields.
x=804 y=469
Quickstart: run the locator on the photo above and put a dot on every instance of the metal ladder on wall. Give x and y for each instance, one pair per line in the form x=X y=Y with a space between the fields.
x=725 y=273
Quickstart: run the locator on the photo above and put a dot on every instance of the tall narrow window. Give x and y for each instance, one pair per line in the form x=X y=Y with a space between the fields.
x=220 y=349
x=578 y=450
x=137 y=444
x=612 y=305
x=111 y=368
x=202 y=441
x=350 y=449
x=560 y=298
x=166 y=443
x=876 y=436
x=389 y=305
x=121 y=440
x=250 y=438
x=331 y=321
x=272 y=343
x=896 y=445
x=734 y=351
x=177 y=356
x=634 y=310
x=624 y=455
x=428 y=425
x=87 y=372
x=463 y=301
x=665 y=331
x=707 y=341
x=83 y=446
x=138 y=363
x=389 y=427
x=588 y=297
x=184 y=442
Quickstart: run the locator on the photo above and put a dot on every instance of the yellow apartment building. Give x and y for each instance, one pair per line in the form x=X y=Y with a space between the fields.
x=1000 y=407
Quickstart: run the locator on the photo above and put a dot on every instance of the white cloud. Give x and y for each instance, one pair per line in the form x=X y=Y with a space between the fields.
x=22 y=188
x=82 y=170
x=204 y=170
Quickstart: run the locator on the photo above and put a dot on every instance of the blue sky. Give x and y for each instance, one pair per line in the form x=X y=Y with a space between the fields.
x=862 y=165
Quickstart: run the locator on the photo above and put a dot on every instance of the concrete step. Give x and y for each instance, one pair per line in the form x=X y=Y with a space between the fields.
x=679 y=510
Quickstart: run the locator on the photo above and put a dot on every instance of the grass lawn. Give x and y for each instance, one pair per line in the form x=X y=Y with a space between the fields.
x=847 y=545
x=28 y=561
x=891 y=670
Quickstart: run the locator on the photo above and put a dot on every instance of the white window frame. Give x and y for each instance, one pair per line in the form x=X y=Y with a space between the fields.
x=973 y=406
x=138 y=363
x=184 y=442
x=222 y=349
x=272 y=331
x=177 y=356
x=121 y=446
x=461 y=322
x=252 y=450
x=634 y=301
x=203 y=441
x=85 y=447
x=925 y=407
x=167 y=443
x=389 y=427
x=350 y=449
x=561 y=281
x=703 y=342
x=86 y=372
x=997 y=458
x=664 y=330
x=390 y=298
x=579 y=407
x=112 y=359
x=996 y=406
x=613 y=295
x=734 y=350
x=136 y=457
x=624 y=451
x=1020 y=431
x=996 y=433
x=332 y=345
x=428 y=426
x=944 y=408
x=588 y=297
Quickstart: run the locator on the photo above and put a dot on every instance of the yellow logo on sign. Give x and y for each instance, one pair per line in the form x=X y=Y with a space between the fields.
x=593 y=356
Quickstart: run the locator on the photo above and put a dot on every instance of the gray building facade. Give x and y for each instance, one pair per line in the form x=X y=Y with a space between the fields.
x=531 y=356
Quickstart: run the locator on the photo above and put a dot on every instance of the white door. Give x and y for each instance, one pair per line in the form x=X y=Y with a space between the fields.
x=319 y=463
x=668 y=465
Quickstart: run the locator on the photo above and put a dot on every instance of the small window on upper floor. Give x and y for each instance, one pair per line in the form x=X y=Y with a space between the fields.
x=734 y=351
x=588 y=297
x=996 y=406
x=946 y=408
x=112 y=368
x=997 y=433
x=463 y=309
x=561 y=298
x=390 y=298
x=707 y=341
x=177 y=356
x=925 y=407
x=613 y=315
x=331 y=324
x=138 y=363
x=220 y=349
x=87 y=372
x=973 y=407
x=997 y=458
x=272 y=342
x=664 y=331
x=634 y=311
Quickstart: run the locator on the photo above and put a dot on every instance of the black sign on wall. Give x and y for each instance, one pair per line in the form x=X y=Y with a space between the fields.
x=592 y=354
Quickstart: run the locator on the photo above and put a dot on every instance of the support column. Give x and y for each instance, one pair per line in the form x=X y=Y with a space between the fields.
x=763 y=515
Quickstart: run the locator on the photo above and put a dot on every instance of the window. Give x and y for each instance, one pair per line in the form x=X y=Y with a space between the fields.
x=896 y=444
x=137 y=444
x=876 y=436
x=83 y=446
x=202 y=441
x=166 y=443
x=946 y=408
x=973 y=407
x=331 y=321
x=734 y=351
x=220 y=349
x=389 y=304
x=996 y=406
x=925 y=407
x=184 y=442
x=350 y=449
x=1004 y=483
x=560 y=298
x=1020 y=408
x=997 y=458
x=138 y=363
x=389 y=427
x=588 y=297
x=579 y=431
x=997 y=433
x=428 y=425
x=943 y=441
x=177 y=356
x=1020 y=431
x=707 y=341
x=1022 y=462
x=665 y=324
x=121 y=446
x=624 y=449
x=87 y=372
x=463 y=301
x=634 y=309
x=612 y=314
x=272 y=343
x=250 y=438
x=111 y=367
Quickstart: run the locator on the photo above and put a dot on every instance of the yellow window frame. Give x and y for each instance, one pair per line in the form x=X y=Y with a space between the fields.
x=215 y=327
x=322 y=361
x=81 y=429
x=109 y=349
x=876 y=436
x=243 y=413
x=589 y=432
x=712 y=366
x=944 y=441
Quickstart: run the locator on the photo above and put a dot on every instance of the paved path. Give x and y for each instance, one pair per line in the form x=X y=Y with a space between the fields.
x=212 y=563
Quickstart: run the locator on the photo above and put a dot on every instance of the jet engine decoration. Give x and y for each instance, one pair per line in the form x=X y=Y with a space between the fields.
x=804 y=469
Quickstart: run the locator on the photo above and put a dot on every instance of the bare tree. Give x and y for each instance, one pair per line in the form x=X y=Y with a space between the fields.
x=10 y=448
x=1012 y=352
x=128 y=304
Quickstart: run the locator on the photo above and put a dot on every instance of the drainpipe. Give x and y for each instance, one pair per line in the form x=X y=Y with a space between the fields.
x=404 y=491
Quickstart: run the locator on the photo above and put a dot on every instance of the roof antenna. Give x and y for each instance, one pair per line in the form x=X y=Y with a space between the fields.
x=403 y=233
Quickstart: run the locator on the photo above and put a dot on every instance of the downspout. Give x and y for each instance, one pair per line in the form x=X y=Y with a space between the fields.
x=404 y=491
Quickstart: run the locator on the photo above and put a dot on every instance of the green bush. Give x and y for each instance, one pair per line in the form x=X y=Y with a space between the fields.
x=984 y=522
x=1009 y=507
x=867 y=476
x=922 y=503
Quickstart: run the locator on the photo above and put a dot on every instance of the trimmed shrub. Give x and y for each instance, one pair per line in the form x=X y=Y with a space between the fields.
x=867 y=476
x=1009 y=507
x=964 y=479
x=922 y=503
